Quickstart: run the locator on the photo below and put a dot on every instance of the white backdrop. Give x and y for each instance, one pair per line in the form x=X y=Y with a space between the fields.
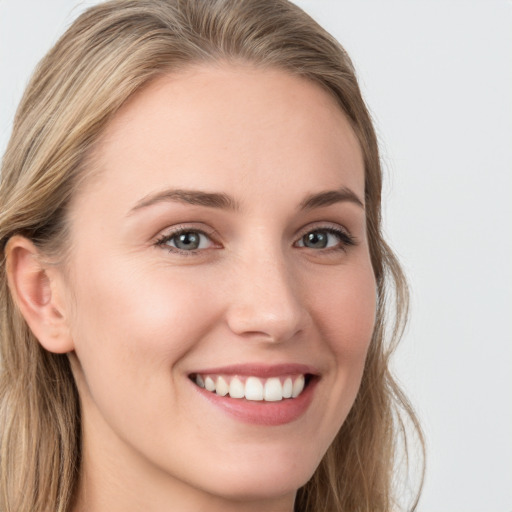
x=438 y=78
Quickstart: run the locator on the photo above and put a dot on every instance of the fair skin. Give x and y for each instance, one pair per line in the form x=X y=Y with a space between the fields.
x=269 y=278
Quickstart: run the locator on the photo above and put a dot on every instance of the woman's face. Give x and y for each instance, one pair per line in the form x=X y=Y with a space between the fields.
x=220 y=242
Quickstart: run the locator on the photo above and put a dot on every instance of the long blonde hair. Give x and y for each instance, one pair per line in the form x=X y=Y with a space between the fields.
x=110 y=52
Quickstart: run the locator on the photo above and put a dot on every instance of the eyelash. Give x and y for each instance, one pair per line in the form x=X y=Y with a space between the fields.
x=345 y=239
x=164 y=239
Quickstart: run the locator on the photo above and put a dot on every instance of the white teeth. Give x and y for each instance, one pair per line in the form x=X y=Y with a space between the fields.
x=287 y=388
x=273 y=389
x=221 y=387
x=298 y=386
x=253 y=389
x=209 y=384
x=236 y=388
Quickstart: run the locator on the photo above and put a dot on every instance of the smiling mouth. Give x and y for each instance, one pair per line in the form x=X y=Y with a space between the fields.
x=252 y=388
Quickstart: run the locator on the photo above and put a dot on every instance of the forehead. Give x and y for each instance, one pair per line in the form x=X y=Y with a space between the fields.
x=229 y=125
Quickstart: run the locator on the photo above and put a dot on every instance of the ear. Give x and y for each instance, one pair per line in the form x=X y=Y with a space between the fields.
x=38 y=290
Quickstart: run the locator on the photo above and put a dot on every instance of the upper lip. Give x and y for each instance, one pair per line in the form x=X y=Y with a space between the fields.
x=259 y=370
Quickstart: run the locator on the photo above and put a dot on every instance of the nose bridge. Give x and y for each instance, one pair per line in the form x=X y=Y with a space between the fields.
x=265 y=300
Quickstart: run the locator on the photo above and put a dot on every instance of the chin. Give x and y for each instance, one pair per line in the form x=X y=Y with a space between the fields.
x=256 y=480
x=261 y=487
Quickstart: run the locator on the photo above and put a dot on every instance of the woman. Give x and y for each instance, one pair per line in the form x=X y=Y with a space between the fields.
x=194 y=277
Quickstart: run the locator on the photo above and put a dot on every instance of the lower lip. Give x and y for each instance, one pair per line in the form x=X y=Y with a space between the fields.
x=261 y=412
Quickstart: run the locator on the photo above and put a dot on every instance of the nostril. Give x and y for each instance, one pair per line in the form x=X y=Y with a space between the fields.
x=265 y=304
x=265 y=323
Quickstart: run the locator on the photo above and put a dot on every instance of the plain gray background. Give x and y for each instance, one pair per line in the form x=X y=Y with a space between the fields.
x=437 y=76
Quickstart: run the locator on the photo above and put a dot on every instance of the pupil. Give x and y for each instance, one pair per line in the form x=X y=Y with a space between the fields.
x=316 y=240
x=188 y=241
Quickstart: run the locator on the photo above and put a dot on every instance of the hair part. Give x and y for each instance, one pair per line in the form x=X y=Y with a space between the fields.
x=109 y=53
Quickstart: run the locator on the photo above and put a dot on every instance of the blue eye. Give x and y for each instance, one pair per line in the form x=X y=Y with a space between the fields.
x=186 y=240
x=325 y=239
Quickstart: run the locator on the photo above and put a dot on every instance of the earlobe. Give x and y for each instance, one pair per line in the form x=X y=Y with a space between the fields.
x=37 y=290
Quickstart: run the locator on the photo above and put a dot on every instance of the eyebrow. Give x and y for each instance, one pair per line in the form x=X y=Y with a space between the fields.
x=195 y=197
x=226 y=202
x=330 y=197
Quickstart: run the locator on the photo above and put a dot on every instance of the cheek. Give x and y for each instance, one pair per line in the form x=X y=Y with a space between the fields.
x=131 y=324
x=133 y=329
x=346 y=316
x=346 y=312
x=343 y=313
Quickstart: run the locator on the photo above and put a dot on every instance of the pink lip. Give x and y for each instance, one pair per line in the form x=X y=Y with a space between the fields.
x=259 y=370
x=262 y=413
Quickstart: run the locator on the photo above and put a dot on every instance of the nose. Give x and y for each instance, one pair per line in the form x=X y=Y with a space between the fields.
x=265 y=299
